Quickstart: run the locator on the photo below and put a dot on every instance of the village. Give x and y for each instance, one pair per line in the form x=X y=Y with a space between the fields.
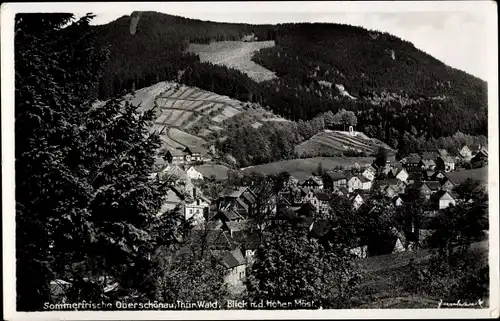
x=223 y=218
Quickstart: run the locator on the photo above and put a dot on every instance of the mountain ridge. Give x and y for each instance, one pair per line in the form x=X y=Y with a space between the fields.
x=401 y=90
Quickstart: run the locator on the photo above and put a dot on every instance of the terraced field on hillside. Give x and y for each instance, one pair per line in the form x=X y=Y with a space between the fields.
x=338 y=142
x=189 y=116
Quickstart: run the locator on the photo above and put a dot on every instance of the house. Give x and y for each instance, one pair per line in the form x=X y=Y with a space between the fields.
x=241 y=200
x=308 y=195
x=196 y=208
x=427 y=175
x=370 y=172
x=334 y=179
x=389 y=191
x=481 y=158
x=465 y=153
x=438 y=176
x=446 y=163
x=398 y=173
x=175 y=157
x=173 y=199
x=159 y=164
x=427 y=164
x=396 y=185
x=341 y=191
x=323 y=201
x=193 y=154
x=420 y=188
x=172 y=173
x=444 y=199
x=235 y=263
x=291 y=182
x=292 y=195
x=434 y=186
x=192 y=173
x=430 y=155
x=447 y=184
x=357 y=200
x=313 y=182
x=443 y=152
x=354 y=183
x=412 y=162
x=399 y=199
x=366 y=184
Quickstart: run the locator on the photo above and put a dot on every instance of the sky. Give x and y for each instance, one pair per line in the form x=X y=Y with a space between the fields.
x=456 y=33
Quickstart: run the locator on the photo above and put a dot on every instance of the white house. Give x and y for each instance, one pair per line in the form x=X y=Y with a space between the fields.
x=354 y=183
x=402 y=175
x=197 y=209
x=445 y=199
x=369 y=173
x=192 y=173
x=235 y=263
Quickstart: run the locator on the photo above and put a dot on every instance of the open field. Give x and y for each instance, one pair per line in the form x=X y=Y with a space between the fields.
x=302 y=168
x=185 y=139
x=339 y=142
x=220 y=171
x=235 y=54
x=480 y=174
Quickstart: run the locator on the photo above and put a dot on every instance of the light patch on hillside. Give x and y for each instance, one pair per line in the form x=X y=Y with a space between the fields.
x=235 y=54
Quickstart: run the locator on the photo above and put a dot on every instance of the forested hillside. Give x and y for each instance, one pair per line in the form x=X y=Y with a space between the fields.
x=396 y=91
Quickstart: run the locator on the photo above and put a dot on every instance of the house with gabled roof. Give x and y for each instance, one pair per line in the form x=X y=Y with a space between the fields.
x=420 y=188
x=366 y=184
x=242 y=200
x=159 y=164
x=446 y=163
x=341 y=191
x=193 y=154
x=465 y=153
x=175 y=157
x=354 y=183
x=443 y=152
x=447 y=184
x=370 y=172
x=443 y=199
x=438 y=176
x=313 y=182
x=412 y=162
x=399 y=173
x=333 y=179
x=430 y=155
x=427 y=164
x=480 y=158
x=192 y=173
x=434 y=186
x=323 y=201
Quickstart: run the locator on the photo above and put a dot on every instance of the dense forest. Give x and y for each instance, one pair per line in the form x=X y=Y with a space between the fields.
x=394 y=88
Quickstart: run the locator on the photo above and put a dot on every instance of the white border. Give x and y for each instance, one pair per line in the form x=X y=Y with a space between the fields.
x=8 y=11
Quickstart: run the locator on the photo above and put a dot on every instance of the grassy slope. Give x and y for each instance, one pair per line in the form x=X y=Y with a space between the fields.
x=302 y=168
x=384 y=279
x=480 y=174
x=338 y=142
x=235 y=54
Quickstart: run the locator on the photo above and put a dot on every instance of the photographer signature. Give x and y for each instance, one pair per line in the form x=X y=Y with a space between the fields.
x=460 y=304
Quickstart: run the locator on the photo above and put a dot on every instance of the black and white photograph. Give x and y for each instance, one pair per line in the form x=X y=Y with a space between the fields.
x=250 y=160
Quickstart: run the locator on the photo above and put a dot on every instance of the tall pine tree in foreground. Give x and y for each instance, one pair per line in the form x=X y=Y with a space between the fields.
x=84 y=199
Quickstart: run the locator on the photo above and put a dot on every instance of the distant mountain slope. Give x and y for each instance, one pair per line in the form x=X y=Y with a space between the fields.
x=235 y=54
x=396 y=90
